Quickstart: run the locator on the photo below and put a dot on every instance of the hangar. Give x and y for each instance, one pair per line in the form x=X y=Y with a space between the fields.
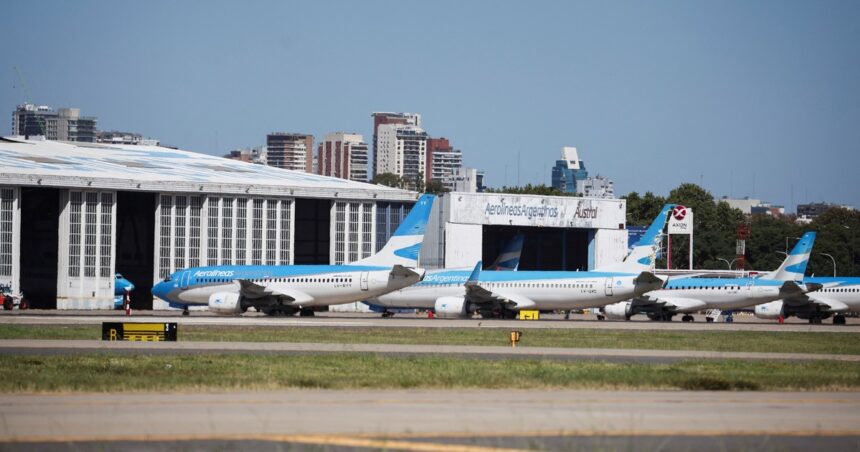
x=74 y=214
x=561 y=232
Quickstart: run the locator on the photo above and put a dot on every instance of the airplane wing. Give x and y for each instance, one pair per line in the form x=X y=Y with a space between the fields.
x=791 y=288
x=673 y=303
x=400 y=271
x=648 y=278
x=800 y=300
x=250 y=289
x=477 y=294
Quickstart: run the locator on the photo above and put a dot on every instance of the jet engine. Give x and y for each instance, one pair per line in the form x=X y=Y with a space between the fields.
x=770 y=311
x=452 y=308
x=619 y=311
x=225 y=303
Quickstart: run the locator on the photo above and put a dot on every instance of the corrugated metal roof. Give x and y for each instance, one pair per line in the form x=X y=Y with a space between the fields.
x=155 y=168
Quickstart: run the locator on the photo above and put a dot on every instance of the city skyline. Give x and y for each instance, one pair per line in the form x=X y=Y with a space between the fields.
x=744 y=99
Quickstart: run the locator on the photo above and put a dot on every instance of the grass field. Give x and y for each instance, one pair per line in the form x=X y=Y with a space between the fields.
x=106 y=373
x=752 y=341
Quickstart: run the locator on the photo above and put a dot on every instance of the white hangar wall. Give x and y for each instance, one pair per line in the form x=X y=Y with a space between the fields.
x=460 y=223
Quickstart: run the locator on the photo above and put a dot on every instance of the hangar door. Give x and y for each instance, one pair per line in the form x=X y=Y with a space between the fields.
x=86 y=251
x=544 y=248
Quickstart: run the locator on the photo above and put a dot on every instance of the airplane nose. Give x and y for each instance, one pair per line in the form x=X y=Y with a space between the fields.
x=161 y=290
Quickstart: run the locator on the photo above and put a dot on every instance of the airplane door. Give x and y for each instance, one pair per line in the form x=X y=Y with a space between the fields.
x=609 y=282
x=364 y=276
x=184 y=280
x=750 y=285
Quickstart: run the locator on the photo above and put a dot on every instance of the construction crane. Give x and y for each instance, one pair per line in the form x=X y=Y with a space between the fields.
x=25 y=90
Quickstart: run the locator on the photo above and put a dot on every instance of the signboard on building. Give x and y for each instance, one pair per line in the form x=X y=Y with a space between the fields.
x=530 y=210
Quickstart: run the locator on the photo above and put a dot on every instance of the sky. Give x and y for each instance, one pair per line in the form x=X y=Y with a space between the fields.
x=746 y=98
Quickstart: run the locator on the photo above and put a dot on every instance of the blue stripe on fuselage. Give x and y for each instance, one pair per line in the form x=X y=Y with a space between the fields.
x=233 y=272
x=842 y=281
x=461 y=276
x=721 y=282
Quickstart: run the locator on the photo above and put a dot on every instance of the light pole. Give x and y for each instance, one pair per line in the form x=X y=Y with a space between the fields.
x=727 y=262
x=834 y=262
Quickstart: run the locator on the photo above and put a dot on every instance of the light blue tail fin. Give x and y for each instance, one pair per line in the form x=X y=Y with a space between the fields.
x=794 y=265
x=476 y=273
x=644 y=252
x=404 y=246
x=509 y=258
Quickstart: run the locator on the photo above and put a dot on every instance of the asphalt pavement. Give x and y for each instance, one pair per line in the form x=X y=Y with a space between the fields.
x=447 y=420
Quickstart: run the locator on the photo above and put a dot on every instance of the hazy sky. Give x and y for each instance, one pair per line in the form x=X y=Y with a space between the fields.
x=758 y=98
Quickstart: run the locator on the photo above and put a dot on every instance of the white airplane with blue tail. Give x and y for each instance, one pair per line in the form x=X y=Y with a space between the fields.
x=459 y=293
x=688 y=295
x=287 y=289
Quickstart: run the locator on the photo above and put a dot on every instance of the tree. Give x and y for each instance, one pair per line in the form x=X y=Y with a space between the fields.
x=530 y=189
x=642 y=210
x=434 y=186
x=389 y=180
x=839 y=236
x=715 y=227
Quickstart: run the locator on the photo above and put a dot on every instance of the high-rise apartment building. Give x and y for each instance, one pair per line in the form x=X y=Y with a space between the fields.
x=290 y=151
x=380 y=118
x=442 y=161
x=65 y=124
x=569 y=173
x=343 y=155
x=402 y=150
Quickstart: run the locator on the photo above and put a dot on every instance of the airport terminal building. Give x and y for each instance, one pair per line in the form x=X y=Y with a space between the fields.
x=74 y=214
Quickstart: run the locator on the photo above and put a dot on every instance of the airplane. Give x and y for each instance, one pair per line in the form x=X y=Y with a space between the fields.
x=838 y=296
x=287 y=289
x=121 y=284
x=507 y=260
x=459 y=293
x=687 y=295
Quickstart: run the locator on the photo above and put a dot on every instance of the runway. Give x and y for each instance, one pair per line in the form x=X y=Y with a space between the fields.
x=340 y=319
x=65 y=347
x=475 y=420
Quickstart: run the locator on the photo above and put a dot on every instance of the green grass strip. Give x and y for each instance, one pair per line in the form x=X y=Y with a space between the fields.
x=142 y=373
x=730 y=341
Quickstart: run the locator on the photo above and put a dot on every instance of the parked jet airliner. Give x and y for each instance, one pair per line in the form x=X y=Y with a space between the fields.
x=458 y=293
x=839 y=296
x=286 y=289
x=507 y=260
x=688 y=295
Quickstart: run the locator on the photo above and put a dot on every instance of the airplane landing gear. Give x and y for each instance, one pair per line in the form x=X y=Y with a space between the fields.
x=306 y=313
x=662 y=316
x=815 y=320
x=387 y=314
x=185 y=310
x=687 y=318
x=839 y=319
